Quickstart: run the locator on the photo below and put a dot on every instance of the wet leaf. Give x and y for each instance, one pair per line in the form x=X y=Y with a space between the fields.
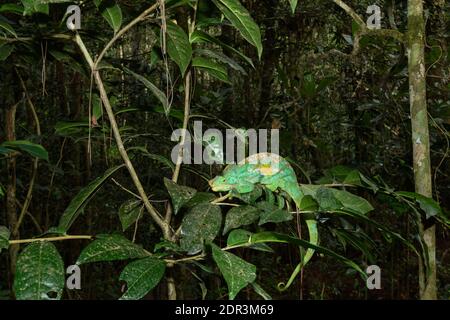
x=110 y=248
x=201 y=225
x=237 y=273
x=142 y=276
x=39 y=273
x=240 y=216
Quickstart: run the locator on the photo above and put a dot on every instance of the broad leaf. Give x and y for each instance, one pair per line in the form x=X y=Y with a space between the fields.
x=307 y=203
x=200 y=197
x=201 y=225
x=240 y=216
x=213 y=68
x=39 y=273
x=222 y=58
x=31 y=148
x=4 y=238
x=428 y=205
x=4 y=25
x=33 y=6
x=236 y=13
x=326 y=199
x=111 y=13
x=236 y=272
x=265 y=237
x=249 y=197
x=154 y=89
x=129 y=212
x=353 y=202
x=180 y=194
x=142 y=276
x=199 y=36
x=271 y=213
x=81 y=200
x=11 y=8
x=110 y=248
x=178 y=46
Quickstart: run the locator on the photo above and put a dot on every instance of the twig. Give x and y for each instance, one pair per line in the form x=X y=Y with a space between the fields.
x=34 y=166
x=122 y=31
x=62 y=238
x=165 y=227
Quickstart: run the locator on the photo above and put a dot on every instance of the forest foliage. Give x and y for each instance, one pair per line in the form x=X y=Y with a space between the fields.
x=87 y=178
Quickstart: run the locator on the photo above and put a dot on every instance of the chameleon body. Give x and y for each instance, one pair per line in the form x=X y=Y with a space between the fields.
x=273 y=172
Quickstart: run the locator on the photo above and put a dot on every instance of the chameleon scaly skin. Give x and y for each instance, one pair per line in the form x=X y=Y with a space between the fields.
x=274 y=172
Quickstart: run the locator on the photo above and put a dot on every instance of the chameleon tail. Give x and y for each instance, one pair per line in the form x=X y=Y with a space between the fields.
x=311 y=223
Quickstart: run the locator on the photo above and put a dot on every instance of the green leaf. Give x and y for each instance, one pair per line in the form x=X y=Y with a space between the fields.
x=213 y=68
x=12 y=8
x=236 y=272
x=307 y=203
x=159 y=158
x=5 y=51
x=264 y=237
x=222 y=58
x=201 y=225
x=353 y=202
x=129 y=212
x=240 y=216
x=81 y=200
x=241 y=20
x=293 y=4
x=180 y=194
x=326 y=199
x=249 y=197
x=53 y=1
x=33 y=6
x=259 y=290
x=428 y=205
x=111 y=247
x=39 y=273
x=239 y=235
x=142 y=276
x=6 y=26
x=154 y=89
x=199 y=36
x=351 y=237
x=4 y=238
x=111 y=12
x=200 y=197
x=31 y=148
x=178 y=46
x=271 y=213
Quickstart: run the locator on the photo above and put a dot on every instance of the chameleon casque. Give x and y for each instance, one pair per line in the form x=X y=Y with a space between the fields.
x=273 y=172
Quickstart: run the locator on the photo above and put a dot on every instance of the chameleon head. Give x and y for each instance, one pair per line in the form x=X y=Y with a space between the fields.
x=219 y=183
x=228 y=181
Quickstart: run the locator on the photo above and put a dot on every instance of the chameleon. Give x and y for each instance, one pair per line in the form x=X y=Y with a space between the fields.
x=273 y=172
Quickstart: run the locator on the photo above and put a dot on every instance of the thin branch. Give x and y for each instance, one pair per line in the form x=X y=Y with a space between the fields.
x=364 y=29
x=122 y=31
x=62 y=238
x=34 y=166
x=165 y=227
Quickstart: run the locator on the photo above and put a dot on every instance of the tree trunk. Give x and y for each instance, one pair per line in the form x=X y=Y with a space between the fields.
x=420 y=136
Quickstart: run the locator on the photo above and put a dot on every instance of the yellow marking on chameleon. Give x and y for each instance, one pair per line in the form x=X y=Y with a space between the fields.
x=265 y=169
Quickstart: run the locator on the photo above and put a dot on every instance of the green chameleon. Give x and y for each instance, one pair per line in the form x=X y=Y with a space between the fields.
x=274 y=172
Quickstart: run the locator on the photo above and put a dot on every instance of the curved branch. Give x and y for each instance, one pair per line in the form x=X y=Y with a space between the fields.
x=122 y=31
